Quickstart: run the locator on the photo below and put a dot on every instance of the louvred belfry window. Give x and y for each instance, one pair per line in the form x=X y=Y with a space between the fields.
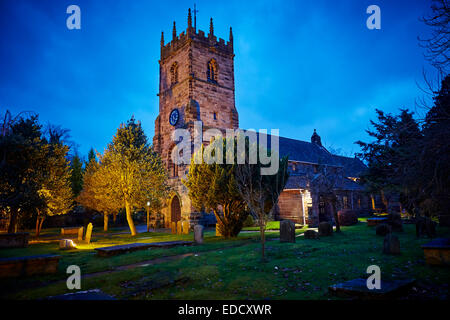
x=211 y=72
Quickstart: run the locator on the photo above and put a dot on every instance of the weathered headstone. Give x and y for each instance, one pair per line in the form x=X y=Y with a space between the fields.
x=80 y=233
x=198 y=233
x=179 y=230
x=347 y=217
x=87 y=239
x=173 y=227
x=66 y=244
x=391 y=244
x=425 y=226
x=325 y=229
x=311 y=234
x=383 y=229
x=287 y=231
x=185 y=227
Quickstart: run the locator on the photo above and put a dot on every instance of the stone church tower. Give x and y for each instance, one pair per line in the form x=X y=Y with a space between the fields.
x=196 y=83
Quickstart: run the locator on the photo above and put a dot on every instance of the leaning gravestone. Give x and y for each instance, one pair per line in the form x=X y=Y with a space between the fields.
x=198 y=233
x=179 y=230
x=325 y=229
x=287 y=231
x=80 y=234
x=391 y=244
x=185 y=227
x=87 y=239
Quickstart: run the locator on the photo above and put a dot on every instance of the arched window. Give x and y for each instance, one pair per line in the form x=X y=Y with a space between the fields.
x=211 y=72
x=174 y=73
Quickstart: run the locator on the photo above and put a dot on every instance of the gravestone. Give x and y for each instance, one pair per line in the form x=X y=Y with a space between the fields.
x=87 y=239
x=425 y=226
x=198 y=233
x=391 y=244
x=80 y=234
x=66 y=244
x=185 y=227
x=179 y=227
x=311 y=234
x=287 y=231
x=325 y=229
x=383 y=229
x=173 y=227
x=347 y=217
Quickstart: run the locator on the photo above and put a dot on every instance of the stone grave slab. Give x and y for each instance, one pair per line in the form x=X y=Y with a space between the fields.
x=437 y=252
x=95 y=294
x=28 y=265
x=14 y=240
x=125 y=248
x=357 y=288
x=371 y=222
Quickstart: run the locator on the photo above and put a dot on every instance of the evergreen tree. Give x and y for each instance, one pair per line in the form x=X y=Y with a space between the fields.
x=76 y=178
x=213 y=187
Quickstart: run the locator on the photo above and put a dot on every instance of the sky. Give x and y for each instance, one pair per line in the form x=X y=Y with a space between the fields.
x=299 y=65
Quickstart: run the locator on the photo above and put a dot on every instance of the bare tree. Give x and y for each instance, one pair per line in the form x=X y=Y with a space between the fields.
x=261 y=192
x=438 y=44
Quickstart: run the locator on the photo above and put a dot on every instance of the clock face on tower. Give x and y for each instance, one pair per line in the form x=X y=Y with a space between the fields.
x=174 y=116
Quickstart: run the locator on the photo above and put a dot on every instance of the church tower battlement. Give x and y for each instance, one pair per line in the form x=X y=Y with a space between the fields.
x=196 y=83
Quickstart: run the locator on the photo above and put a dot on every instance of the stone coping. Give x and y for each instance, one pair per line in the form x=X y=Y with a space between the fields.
x=119 y=249
x=27 y=258
x=358 y=288
x=440 y=243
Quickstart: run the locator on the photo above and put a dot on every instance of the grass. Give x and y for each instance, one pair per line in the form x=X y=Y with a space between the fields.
x=232 y=269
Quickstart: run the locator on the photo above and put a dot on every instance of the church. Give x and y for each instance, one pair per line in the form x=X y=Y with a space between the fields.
x=196 y=83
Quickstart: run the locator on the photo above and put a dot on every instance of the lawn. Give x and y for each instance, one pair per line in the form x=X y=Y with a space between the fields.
x=232 y=269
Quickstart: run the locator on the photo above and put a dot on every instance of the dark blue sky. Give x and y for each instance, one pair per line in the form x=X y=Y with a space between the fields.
x=299 y=65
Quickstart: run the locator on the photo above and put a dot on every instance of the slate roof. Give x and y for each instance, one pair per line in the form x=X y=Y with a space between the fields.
x=298 y=181
x=303 y=151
